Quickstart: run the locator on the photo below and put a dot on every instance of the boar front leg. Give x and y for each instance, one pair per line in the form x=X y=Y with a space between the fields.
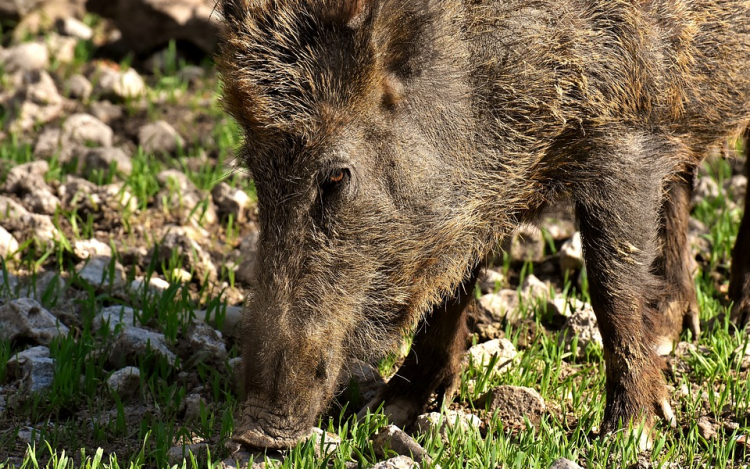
x=679 y=306
x=434 y=361
x=739 y=286
x=618 y=201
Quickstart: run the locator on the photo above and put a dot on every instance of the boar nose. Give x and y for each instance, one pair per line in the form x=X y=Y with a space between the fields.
x=322 y=372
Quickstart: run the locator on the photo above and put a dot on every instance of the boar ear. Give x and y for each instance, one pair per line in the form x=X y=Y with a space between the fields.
x=353 y=12
x=234 y=10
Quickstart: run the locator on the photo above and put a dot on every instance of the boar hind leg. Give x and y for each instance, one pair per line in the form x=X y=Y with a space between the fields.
x=619 y=216
x=739 y=285
x=434 y=362
x=679 y=305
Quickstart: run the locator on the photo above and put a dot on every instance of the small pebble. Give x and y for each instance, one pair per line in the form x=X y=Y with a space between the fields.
x=399 y=462
x=706 y=428
x=78 y=87
x=125 y=382
x=34 y=368
x=563 y=463
x=571 y=254
x=514 y=404
x=85 y=129
x=105 y=158
x=434 y=421
x=75 y=28
x=8 y=244
x=481 y=354
x=25 y=57
x=159 y=137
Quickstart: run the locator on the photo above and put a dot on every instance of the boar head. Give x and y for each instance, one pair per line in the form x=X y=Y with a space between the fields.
x=357 y=125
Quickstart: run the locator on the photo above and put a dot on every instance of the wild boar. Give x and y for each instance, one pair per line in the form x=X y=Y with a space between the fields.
x=393 y=143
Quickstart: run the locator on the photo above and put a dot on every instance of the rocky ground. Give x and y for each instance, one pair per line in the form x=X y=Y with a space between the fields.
x=128 y=235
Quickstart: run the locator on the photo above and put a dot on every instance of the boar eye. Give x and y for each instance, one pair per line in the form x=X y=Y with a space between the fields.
x=337 y=176
x=334 y=178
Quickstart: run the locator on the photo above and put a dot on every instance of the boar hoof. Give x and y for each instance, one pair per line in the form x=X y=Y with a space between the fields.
x=645 y=437
x=663 y=346
x=665 y=412
x=399 y=411
x=635 y=400
x=645 y=442
x=691 y=321
x=644 y=433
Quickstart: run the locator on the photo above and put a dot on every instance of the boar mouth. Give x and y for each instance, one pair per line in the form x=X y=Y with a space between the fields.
x=263 y=428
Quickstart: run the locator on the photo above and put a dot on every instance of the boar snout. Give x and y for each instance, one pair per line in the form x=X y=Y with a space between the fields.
x=288 y=378
x=263 y=427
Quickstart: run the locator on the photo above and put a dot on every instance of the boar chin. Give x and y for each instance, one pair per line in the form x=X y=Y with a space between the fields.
x=262 y=427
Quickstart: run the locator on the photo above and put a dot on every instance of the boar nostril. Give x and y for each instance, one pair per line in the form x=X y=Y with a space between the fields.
x=321 y=372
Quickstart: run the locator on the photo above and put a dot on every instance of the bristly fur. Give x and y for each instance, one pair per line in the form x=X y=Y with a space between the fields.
x=455 y=121
x=286 y=63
